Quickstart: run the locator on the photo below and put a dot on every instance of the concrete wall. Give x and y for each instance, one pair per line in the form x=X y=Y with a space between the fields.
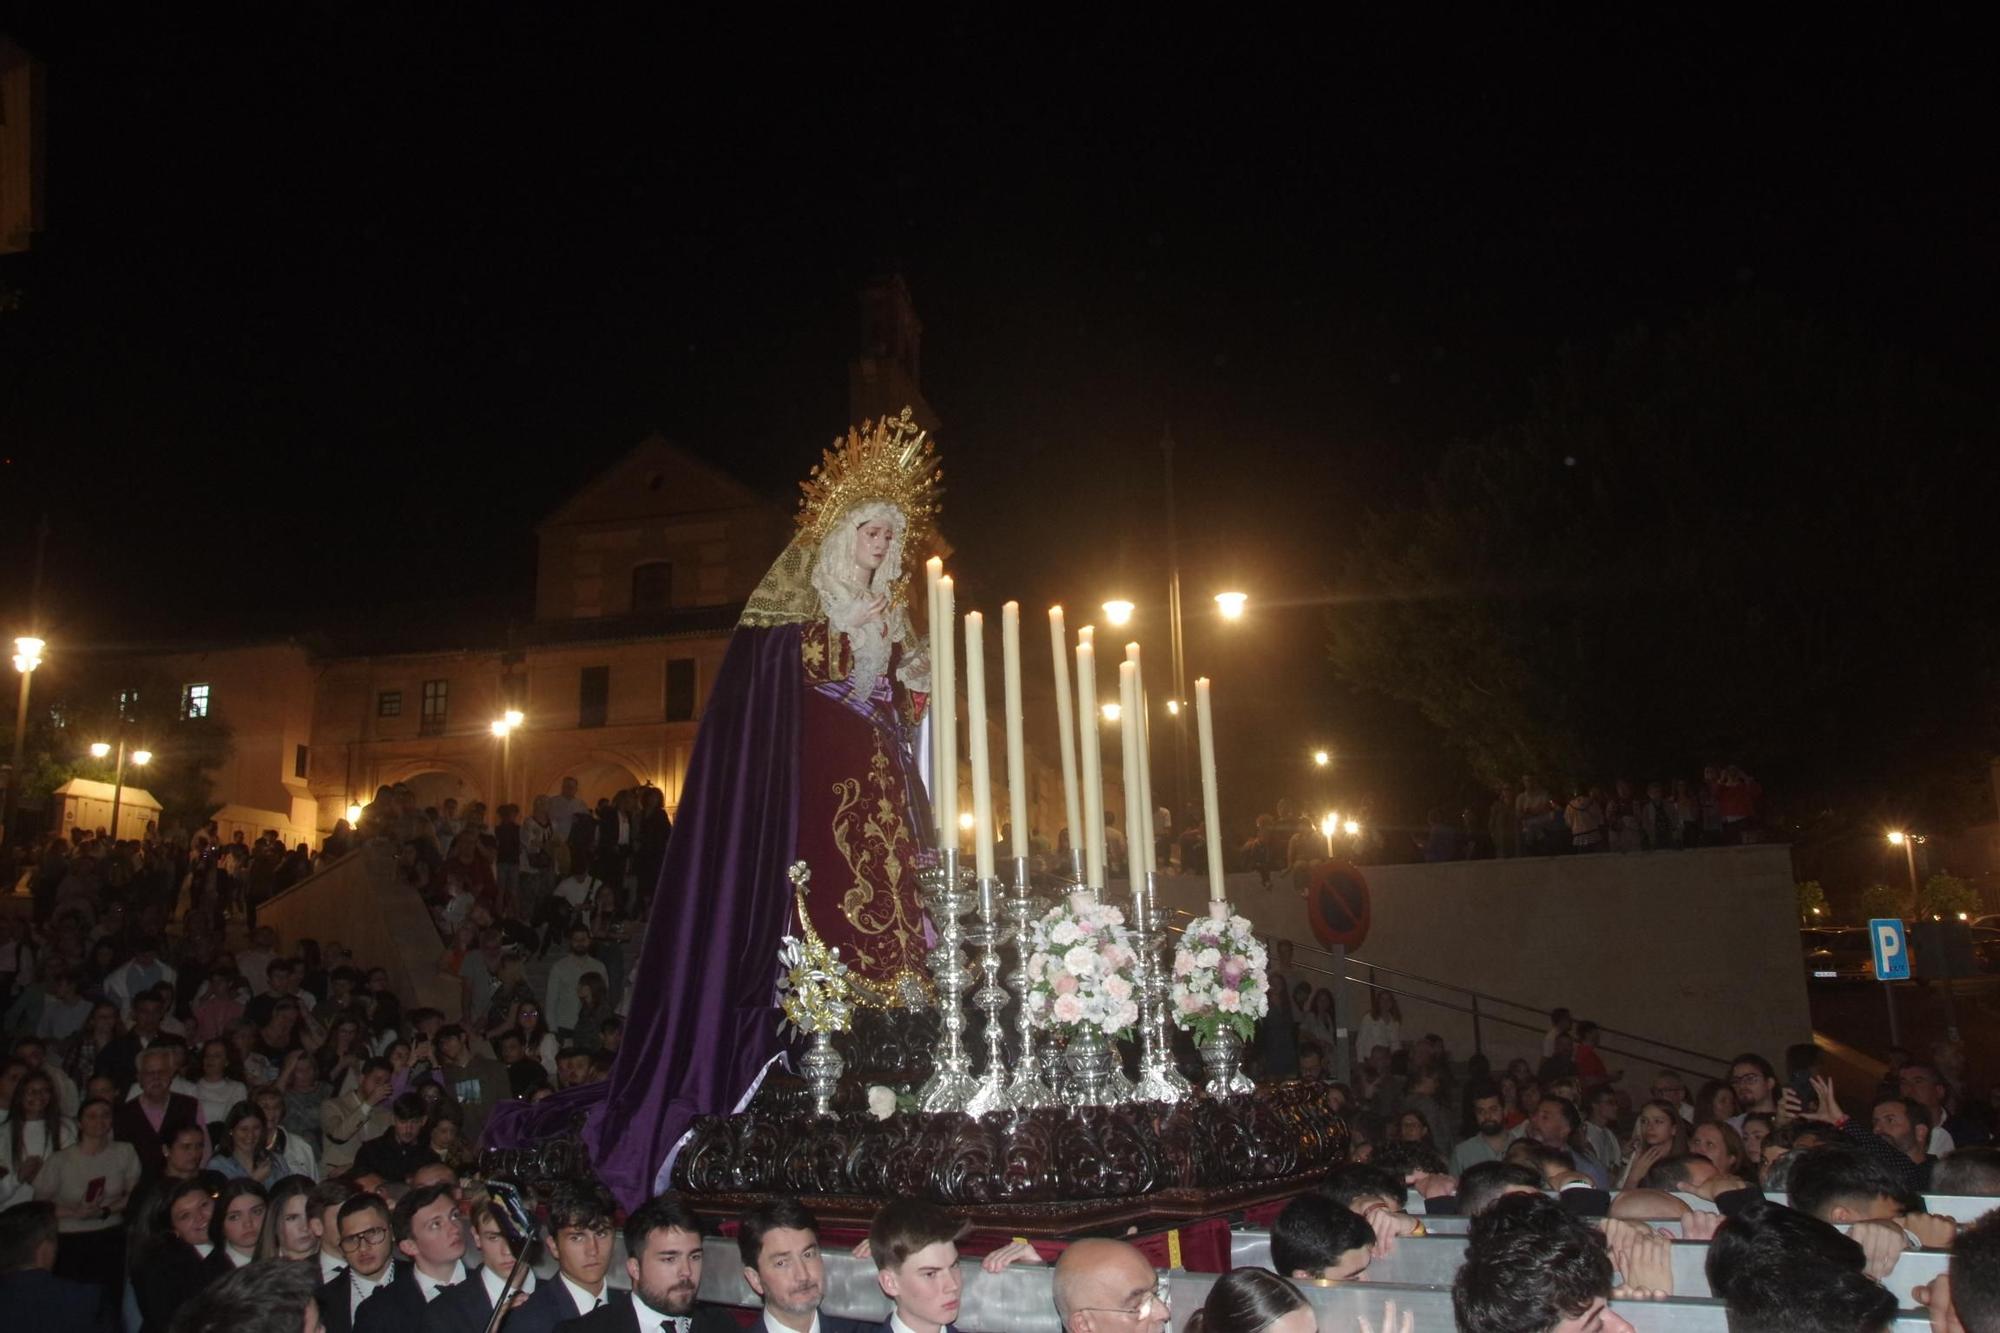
x=359 y=902
x=1698 y=948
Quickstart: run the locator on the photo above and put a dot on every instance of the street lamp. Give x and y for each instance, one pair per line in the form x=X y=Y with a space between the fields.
x=503 y=730
x=1908 y=842
x=1231 y=604
x=1328 y=827
x=27 y=656
x=1111 y=712
x=354 y=814
x=1321 y=758
x=1173 y=708
x=98 y=749
x=1118 y=611
x=1353 y=829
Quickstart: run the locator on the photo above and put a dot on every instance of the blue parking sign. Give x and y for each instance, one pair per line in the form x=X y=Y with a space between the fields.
x=1892 y=949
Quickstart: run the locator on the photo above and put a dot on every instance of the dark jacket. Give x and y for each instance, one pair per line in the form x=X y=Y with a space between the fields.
x=618 y=1315
x=463 y=1309
x=167 y=1279
x=548 y=1306
x=335 y=1300
x=39 y=1300
x=130 y=1125
x=399 y=1307
x=392 y=1160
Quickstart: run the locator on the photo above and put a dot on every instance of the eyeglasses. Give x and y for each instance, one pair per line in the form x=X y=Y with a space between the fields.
x=372 y=1236
x=1150 y=1307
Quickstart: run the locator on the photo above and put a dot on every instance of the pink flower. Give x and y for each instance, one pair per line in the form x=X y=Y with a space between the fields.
x=1068 y=1009
x=1065 y=985
x=1229 y=1002
x=1183 y=962
x=1232 y=969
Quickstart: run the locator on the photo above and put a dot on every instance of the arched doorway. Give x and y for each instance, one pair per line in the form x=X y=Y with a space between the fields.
x=431 y=786
x=597 y=776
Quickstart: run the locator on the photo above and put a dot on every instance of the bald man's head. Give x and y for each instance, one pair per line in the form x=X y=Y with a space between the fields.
x=1098 y=1275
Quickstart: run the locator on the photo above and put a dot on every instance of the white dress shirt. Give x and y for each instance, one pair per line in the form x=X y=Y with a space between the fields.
x=771 y=1324
x=495 y=1284
x=585 y=1302
x=427 y=1286
x=360 y=1288
x=331 y=1266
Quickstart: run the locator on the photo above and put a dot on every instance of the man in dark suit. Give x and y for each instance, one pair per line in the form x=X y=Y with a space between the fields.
x=466 y=1307
x=655 y=831
x=30 y=1292
x=779 y=1243
x=429 y=1236
x=663 y=1259
x=367 y=1237
x=150 y=1121
x=580 y=1233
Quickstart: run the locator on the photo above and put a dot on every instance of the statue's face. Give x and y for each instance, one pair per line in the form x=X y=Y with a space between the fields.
x=871 y=544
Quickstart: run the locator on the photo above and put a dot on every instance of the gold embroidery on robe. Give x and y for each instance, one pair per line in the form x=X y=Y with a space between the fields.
x=873 y=836
x=824 y=653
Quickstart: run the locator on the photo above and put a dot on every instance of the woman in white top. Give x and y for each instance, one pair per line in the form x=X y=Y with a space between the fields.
x=34 y=1129
x=217 y=1089
x=1382 y=1027
x=89 y=1183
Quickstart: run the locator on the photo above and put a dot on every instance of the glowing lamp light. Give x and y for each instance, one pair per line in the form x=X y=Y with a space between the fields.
x=965 y=821
x=1173 y=708
x=500 y=727
x=1118 y=611
x=1231 y=604
x=142 y=757
x=514 y=717
x=1321 y=758
x=1111 y=712
x=99 y=749
x=27 y=653
x=1329 y=826
x=353 y=814
x=1965 y=916
x=1895 y=837
x=1353 y=829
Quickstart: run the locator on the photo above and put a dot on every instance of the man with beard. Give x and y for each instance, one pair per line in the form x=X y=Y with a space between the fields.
x=1490 y=1143
x=663 y=1245
x=779 y=1242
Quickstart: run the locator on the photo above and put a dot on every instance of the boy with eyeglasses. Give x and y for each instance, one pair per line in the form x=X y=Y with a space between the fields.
x=366 y=1235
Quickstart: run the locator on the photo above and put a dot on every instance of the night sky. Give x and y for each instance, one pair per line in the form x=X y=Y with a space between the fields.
x=329 y=311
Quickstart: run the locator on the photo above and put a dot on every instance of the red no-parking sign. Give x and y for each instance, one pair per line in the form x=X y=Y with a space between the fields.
x=1337 y=905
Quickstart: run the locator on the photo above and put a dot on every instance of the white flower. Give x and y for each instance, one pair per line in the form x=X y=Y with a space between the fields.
x=1065 y=933
x=881 y=1101
x=1081 y=961
x=1068 y=1009
x=1117 y=987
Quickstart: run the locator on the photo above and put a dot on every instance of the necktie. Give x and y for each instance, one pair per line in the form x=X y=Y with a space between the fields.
x=440 y=1289
x=676 y=1323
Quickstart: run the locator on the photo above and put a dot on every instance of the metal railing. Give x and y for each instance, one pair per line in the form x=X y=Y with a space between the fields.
x=1483 y=1008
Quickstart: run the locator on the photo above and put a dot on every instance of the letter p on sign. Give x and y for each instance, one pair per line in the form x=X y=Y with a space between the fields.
x=1891 y=947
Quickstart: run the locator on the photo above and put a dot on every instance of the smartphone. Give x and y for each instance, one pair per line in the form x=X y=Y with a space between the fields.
x=94 y=1190
x=1801 y=1084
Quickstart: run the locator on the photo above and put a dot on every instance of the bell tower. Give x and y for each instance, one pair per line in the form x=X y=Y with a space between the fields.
x=885 y=374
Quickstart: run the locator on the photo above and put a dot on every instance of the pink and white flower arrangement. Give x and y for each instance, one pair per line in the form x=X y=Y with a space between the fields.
x=1082 y=968
x=1219 y=977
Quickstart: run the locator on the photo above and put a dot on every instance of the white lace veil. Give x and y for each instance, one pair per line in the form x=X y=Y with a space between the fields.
x=845 y=588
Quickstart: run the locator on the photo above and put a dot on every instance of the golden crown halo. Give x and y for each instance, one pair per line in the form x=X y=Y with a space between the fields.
x=891 y=461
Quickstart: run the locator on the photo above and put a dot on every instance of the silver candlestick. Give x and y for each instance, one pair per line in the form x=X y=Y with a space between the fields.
x=991 y=1091
x=1159 y=1080
x=1026 y=1090
x=951 y=1084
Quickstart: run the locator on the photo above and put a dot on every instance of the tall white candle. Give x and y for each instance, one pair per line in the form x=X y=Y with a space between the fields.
x=1066 y=726
x=1144 y=727
x=1128 y=734
x=1093 y=776
x=975 y=721
x=939 y=630
x=947 y=715
x=1211 y=805
x=1017 y=745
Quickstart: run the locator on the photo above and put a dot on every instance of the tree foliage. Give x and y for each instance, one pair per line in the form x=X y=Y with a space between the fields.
x=1743 y=540
x=1812 y=898
x=76 y=701
x=1947 y=896
x=1882 y=900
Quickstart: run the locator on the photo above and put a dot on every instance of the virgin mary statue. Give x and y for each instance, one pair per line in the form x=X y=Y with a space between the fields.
x=806 y=752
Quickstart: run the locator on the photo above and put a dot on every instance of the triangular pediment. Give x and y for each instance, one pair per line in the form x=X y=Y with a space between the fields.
x=657 y=478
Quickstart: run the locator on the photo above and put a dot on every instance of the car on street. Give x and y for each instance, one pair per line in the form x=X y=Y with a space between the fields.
x=1837 y=955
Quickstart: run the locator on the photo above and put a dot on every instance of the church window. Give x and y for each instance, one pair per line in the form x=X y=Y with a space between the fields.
x=652 y=586
x=680 y=689
x=593 y=705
